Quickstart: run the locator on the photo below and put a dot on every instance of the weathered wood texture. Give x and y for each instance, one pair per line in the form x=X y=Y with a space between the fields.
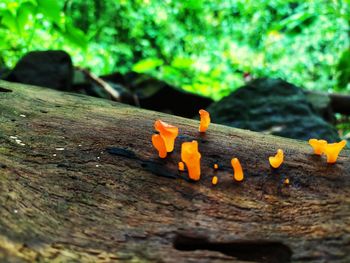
x=82 y=183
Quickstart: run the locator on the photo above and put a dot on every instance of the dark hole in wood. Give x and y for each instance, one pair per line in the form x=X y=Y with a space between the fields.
x=263 y=251
x=5 y=90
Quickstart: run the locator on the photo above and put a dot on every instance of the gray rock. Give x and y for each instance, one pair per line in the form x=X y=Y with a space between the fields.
x=273 y=106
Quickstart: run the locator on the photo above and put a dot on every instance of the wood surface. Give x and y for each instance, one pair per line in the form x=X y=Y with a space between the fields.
x=81 y=182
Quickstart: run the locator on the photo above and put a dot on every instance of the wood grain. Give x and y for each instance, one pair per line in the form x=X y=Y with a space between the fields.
x=81 y=182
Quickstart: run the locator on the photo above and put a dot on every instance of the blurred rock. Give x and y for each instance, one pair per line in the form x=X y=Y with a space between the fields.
x=275 y=107
x=155 y=94
x=54 y=69
x=51 y=68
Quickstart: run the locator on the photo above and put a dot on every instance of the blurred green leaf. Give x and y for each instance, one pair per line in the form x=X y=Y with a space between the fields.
x=9 y=20
x=147 y=65
x=75 y=36
x=295 y=20
x=343 y=69
x=182 y=62
x=51 y=9
x=23 y=14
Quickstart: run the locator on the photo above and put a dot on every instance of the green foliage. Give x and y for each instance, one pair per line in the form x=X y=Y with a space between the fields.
x=36 y=24
x=343 y=69
x=201 y=46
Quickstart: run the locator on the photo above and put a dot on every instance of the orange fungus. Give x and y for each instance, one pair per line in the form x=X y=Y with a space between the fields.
x=216 y=166
x=168 y=133
x=318 y=145
x=277 y=160
x=332 y=150
x=181 y=166
x=159 y=144
x=286 y=181
x=205 y=120
x=214 y=180
x=191 y=157
x=237 y=169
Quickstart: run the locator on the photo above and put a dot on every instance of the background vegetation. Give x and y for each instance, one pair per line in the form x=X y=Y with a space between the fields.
x=201 y=46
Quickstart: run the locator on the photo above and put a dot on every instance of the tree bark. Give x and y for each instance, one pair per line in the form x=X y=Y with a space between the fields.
x=81 y=182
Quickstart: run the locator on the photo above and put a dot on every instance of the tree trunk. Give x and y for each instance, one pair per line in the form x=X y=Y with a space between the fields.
x=81 y=182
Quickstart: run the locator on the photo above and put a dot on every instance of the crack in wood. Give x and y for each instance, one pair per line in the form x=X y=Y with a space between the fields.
x=5 y=90
x=264 y=251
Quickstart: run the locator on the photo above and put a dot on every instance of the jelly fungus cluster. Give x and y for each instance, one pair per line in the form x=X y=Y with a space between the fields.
x=331 y=150
x=191 y=157
x=164 y=143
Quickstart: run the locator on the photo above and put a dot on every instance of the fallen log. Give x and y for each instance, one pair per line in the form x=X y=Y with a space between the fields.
x=330 y=103
x=80 y=182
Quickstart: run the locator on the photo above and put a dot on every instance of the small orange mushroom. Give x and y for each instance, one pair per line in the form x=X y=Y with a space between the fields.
x=216 y=166
x=277 y=160
x=332 y=150
x=214 y=180
x=181 y=166
x=237 y=169
x=318 y=145
x=168 y=133
x=159 y=144
x=286 y=181
x=191 y=157
x=205 y=120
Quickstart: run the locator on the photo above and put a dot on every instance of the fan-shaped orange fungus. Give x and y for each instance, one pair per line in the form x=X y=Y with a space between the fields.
x=168 y=133
x=216 y=166
x=318 y=145
x=191 y=157
x=332 y=150
x=205 y=120
x=181 y=166
x=237 y=169
x=214 y=180
x=159 y=144
x=277 y=160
